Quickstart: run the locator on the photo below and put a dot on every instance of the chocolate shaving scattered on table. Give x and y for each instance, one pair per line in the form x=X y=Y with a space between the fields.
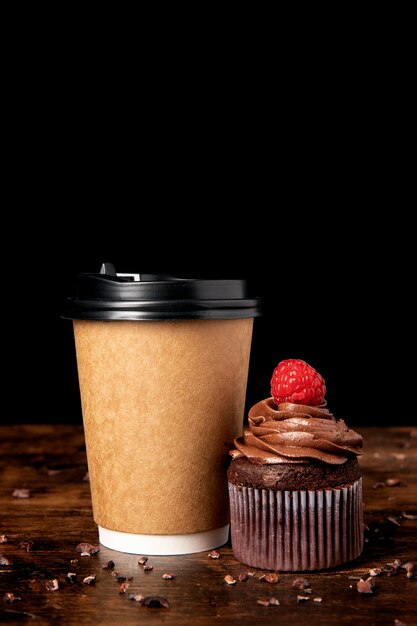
x=21 y=493
x=273 y=601
x=242 y=577
x=168 y=576
x=52 y=585
x=395 y=482
x=318 y=599
x=155 y=602
x=89 y=580
x=379 y=485
x=71 y=577
x=142 y=560
x=271 y=578
x=147 y=568
x=10 y=598
x=214 y=554
x=108 y=565
x=301 y=584
x=230 y=580
x=123 y=587
x=4 y=560
x=120 y=578
x=302 y=598
x=366 y=586
x=27 y=545
x=3 y=539
x=404 y=515
x=376 y=571
x=87 y=549
x=393 y=520
x=263 y=601
x=137 y=597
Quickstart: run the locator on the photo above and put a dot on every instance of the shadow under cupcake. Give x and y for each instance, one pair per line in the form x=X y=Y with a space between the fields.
x=295 y=484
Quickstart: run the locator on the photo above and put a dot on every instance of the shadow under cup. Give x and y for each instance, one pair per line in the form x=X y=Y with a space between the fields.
x=162 y=367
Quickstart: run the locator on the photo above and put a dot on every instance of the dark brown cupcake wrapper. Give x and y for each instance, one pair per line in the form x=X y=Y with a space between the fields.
x=296 y=530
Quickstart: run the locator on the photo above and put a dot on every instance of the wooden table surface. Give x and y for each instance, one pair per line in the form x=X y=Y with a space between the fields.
x=50 y=461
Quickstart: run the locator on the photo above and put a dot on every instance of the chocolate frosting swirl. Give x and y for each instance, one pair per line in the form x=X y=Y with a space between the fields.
x=295 y=433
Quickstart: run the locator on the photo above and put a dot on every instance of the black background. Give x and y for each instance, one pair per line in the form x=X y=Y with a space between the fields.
x=290 y=167
x=330 y=283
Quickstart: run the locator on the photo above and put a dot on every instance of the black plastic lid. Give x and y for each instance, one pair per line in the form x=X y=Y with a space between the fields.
x=111 y=296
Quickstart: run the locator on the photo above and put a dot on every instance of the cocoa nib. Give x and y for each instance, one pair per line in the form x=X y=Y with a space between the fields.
x=155 y=602
x=26 y=545
x=71 y=577
x=21 y=493
x=214 y=554
x=108 y=565
x=4 y=560
x=87 y=549
x=301 y=583
x=10 y=598
x=52 y=585
x=123 y=587
x=89 y=580
x=3 y=539
x=168 y=576
x=142 y=560
x=366 y=586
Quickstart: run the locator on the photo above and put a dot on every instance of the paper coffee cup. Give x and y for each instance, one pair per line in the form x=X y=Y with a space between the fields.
x=162 y=369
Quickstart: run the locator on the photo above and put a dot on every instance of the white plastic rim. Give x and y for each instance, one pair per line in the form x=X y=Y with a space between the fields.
x=163 y=545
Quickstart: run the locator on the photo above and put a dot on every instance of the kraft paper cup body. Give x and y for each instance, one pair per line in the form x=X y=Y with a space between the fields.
x=161 y=402
x=296 y=530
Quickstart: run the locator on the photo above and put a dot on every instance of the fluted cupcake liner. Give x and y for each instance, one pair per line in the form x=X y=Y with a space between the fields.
x=296 y=530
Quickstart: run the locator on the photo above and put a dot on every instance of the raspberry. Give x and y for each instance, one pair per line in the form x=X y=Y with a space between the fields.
x=296 y=381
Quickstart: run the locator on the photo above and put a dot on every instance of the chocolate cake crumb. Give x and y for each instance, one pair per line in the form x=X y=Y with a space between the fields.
x=10 y=598
x=21 y=493
x=89 y=580
x=366 y=586
x=301 y=583
x=230 y=580
x=147 y=568
x=155 y=602
x=404 y=515
x=137 y=597
x=52 y=585
x=4 y=560
x=71 y=577
x=87 y=549
x=214 y=554
x=271 y=578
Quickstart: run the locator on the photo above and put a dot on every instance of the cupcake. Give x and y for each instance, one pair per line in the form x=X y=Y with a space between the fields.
x=294 y=481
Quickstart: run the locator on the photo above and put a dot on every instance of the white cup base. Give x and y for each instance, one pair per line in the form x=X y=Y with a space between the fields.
x=163 y=545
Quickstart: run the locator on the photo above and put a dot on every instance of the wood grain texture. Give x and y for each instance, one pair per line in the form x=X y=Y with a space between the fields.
x=51 y=462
